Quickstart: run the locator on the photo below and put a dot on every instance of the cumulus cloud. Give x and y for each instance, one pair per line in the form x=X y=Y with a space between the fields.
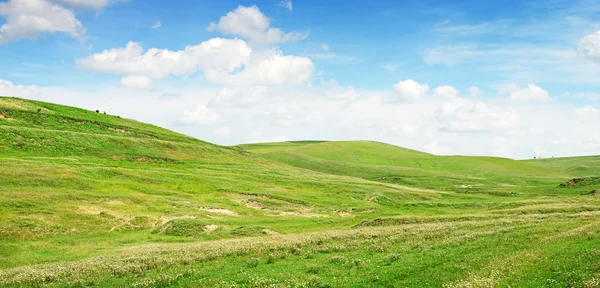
x=589 y=47
x=269 y=68
x=7 y=88
x=462 y=116
x=447 y=92
x=407 y=91
x=29 y=18
x=222 y=55
x=529 y=93
x=250 y=23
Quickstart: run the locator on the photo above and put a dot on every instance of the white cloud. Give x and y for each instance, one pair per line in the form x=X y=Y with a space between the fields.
x=224 y=55
x=462 y=116
x=408 y=91
x=139 y=82
x=589 y=114
x=250 y=23
x=589 y=47
x=474 y=91
x=286 y=4
x=29 y=18
x=7 y=88
x=349 y=94
x=269 y=68
x=157 y=25
x=237 y=97
x=91 y=4
x=447 y=92
x=529 y=93
x=201 y=115
x=224 y=132
x=325 y=47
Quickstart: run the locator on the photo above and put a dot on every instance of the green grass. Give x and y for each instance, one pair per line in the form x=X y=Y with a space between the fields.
x=88 y=199
x=387 y=163
x=575 y=166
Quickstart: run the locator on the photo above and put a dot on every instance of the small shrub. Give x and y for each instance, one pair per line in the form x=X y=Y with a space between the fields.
x=392 y=257
x=252 y=262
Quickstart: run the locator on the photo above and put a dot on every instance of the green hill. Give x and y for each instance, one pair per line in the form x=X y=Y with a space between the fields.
x=95 y=200
x=574 y=166
x=387 y=163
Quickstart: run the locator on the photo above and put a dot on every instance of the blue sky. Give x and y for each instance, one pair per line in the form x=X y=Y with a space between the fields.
x=503 y=78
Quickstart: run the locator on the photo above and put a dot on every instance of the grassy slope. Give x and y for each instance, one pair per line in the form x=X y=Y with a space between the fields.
x=89 y=196
x=575 y=166
x=391 y=164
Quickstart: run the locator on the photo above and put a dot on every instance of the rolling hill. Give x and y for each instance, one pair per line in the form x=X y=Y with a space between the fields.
x=90 y=199
x=391 y=164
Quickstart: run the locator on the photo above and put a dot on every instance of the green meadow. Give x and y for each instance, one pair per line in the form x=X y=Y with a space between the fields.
x=95 y=200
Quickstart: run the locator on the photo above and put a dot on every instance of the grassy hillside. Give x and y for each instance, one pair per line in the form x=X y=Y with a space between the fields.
x=391 y=164
x=575 y=166
x=88 y=199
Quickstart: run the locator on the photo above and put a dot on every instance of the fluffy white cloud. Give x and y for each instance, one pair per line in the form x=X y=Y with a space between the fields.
x=222 y=55
x=407 y=91
x=286 y=4
x=529 y=93
x=462 y=116
x=139 y=82
x=447 y=92
x=90 y=4
x=7 y=88
x=29 y=18
x=250 y=23
x=201 y=115
x=589 y=47
x=269 y=68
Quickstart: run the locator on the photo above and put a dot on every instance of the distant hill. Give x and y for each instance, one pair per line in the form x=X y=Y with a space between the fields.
x=387 y=163
x=575 y=166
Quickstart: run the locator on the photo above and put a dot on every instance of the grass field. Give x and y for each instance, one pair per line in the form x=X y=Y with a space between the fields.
x=88 y=199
